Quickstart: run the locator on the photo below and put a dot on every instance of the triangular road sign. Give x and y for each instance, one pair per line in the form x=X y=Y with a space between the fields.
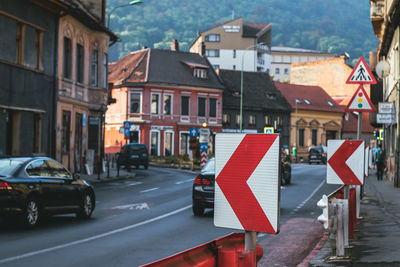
x=360 y=101
x=361 y=74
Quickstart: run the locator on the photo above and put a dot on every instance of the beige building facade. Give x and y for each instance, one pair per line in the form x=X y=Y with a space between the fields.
x=331 y=74
x=82 y=91
x=282 y=58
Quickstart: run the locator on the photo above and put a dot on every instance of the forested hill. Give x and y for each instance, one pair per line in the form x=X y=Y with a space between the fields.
x=335 y=26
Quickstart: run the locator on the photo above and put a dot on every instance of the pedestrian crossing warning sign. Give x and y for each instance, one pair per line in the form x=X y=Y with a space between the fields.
x=360 y=101
x=361 y=74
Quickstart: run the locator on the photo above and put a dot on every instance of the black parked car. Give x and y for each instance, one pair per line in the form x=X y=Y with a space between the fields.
x=317 y=154
x=133 y=154
x=32 y=187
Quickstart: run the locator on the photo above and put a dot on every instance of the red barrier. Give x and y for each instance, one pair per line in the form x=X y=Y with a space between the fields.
x=227 y=251
x=352 y=212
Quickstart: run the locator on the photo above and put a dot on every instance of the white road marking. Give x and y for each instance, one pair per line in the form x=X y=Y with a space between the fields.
x=81 y=241
x=149 y=190
x=184 y=181
x=135 y=206
x=309 y=197
x=135 y=183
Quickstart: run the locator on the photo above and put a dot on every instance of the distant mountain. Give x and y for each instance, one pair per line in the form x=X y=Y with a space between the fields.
x=334 y=26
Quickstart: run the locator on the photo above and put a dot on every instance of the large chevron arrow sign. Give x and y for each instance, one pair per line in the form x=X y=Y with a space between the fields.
x=247 y=182
x=345 y=162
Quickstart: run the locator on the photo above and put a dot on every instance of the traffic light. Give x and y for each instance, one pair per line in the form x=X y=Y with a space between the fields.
x=204 y=124
x=324 y=217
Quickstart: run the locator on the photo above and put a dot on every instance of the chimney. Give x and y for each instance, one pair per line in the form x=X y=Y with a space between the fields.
x=202 y=49
x=373 y=58
x=175 y=45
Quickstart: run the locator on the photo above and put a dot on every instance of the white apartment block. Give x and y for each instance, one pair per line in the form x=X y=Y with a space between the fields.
x=236 y=45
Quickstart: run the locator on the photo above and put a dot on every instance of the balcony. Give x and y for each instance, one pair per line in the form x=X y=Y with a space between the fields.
x=377 y=14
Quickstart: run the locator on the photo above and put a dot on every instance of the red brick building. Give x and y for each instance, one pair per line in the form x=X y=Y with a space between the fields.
x=163 y=93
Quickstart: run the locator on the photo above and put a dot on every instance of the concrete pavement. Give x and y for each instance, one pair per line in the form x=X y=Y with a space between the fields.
x=377 y=238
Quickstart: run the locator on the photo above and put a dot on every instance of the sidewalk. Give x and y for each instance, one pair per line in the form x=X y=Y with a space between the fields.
x=377 y=238
x=111 y=176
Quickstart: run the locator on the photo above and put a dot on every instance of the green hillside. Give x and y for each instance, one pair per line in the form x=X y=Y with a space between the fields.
x=334 y=26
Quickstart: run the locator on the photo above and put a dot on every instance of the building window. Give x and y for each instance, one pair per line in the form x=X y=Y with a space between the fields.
x=252 y=121
x=301 y=137
x=135 y=102
x=168 y=143
x=94 y=66
x=286 y=71
x=212 y=53
x=185 y=105
x=201 y=107
x=155 y=103
x=66 y=128
x=154 y=143
x=212 y=38
x=267 y=120
x=314 y=137
x=277 y=71
x=167 y=104
x=234 y=67
x=237 y=120
x=79 y=63
x=105 y=70
x=226 y=120
x=234 y=53
x=184 y=144
x=213 y=108
x=200 y=73
x=67 y=58
x=20 y=42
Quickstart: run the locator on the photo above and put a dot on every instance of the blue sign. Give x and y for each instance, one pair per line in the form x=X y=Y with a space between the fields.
x=127 y=128
x=203 y=147
x=194 y=132
x=84 y=120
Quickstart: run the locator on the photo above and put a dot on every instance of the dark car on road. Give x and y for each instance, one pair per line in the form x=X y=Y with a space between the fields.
x=33 y=187
x=203 y=189
x=317 y=154
x=133 y=154
x=204 y=185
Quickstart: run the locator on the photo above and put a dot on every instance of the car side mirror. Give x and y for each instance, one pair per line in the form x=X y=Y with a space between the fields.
x=76 y=176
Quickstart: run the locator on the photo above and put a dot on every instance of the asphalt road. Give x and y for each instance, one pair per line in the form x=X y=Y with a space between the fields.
x=141 y=220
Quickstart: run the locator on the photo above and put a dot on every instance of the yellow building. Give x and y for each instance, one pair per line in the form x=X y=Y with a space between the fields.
x=82 y=85
x=315 y=118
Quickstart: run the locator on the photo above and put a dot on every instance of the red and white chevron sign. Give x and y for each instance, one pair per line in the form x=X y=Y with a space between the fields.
x=345 y=162
x=247 y=182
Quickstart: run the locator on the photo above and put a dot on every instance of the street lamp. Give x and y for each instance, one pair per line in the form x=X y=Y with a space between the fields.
x=241 y=84
x=131 y=3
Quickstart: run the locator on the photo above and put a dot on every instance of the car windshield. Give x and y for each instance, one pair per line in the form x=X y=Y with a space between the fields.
x=209 y=167
x=140 y=149
x=315 y=150
x=8 y=166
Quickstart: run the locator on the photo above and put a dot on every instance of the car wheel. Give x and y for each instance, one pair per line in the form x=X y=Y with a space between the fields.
x=137 y=166
x=197 y=209
x=146 y=166
x=31 y=213
x=87 y=207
